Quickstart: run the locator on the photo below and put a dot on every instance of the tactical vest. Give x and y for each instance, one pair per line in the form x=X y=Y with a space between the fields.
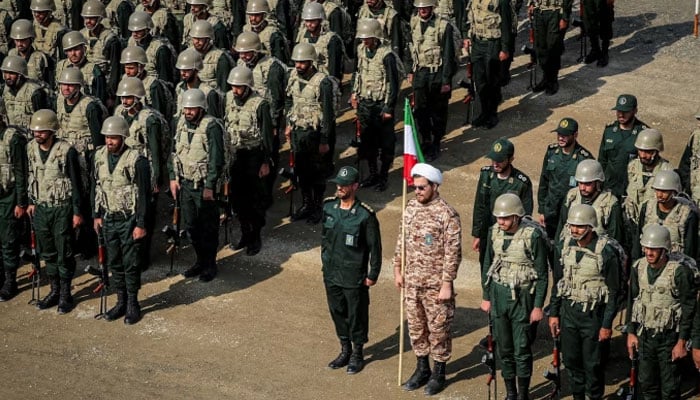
x=19 y=107
x=148 y=82
x=7 y=173
x=582 y=281
x=385 y=17
x=151 y=52
x=321 y=46
x=513 y=267
x=485 y=19
x=208 y=74
x=265 y=35
x=138 y=135
x=306 y=111
x=549 y=4
x=88 y=71
x=10 y=7
x=111 y=20
x=241 y=122
x=46 y=38
x=48 y=184
x=159 y=18
x=187 y=22
x=222 y=9
x=602 y=204
x=637 y=191
x=370 y=79
x=94 y=51
x=695 y=167
x=674 y=221
x=261 y=74
x=116 y=191
x=426 y=47
x=3 y=33
x=445 y=9
x=73 y=126
x=180 y=89
x=190 y=157
x=36 y=64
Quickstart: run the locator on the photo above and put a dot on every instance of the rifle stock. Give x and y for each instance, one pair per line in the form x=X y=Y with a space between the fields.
x=554 y=374
x=35 y=275
x=103 y=273
x=489 y=360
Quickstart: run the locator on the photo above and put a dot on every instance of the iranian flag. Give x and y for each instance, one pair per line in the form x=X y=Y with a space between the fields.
x=411 y=147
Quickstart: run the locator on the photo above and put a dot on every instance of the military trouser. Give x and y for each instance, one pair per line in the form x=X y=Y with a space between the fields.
x=549 y=42
x=123 y=251
x=377 y=136
x=658 y=377
x=200 y=219
x=275 y=156
x=430 y=107
x=429 y=323
x=349 y=308
x=54 y=235
x=512 y=330
x=9 y=234
x=487 y=74
x=598 y=17
x=312 y=167
x=582 y=353
x=144 y=256
x=249 y=193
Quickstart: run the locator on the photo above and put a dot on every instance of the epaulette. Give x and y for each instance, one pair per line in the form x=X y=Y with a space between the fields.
x=553 y=146
x=330 y=198
x=486 y=168
x=523 y=178
x=366 y=207
x=584 y=152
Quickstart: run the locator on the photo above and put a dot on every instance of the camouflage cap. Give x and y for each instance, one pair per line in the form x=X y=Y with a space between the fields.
x=566 y=127
x=501 y=150
x=346 y=176
x=625 y=103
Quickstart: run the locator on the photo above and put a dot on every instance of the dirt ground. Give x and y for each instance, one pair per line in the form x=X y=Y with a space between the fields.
x=261 y=330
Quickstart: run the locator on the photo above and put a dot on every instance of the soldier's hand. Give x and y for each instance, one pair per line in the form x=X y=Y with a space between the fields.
x=398 y=279
x=503 y=55
x=174 y=188
x=77 y=221
x=554 y=326
x=530 y=10
x=445 y=293
x=353 y=101
x=19 y=212
x=323 y=148
x=475 y=244
x=485 y=306
x=288 y=133
x=563 y=24
x=387 y=116
x=604 y=334
x=264 y=170
x=541 y=219
x=368 y=282
x=139 y=233
x=409 y=77
x=632 y=344
x=466 y=43
x=445 y=88
x=30 y=210
x=155 y=189
x=679 y=351
x=97 y=224
x=696 y=358
x=208 y=195
x=536 y=315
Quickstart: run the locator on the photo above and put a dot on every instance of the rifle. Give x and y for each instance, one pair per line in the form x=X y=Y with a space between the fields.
x=469 y=84
x=357 y=142
x=290 y=174
x=35 y=275
x=554 y=374
x=489 y=360
x=579 y=23
x=226 y=212
x=631 y=392
x=529 y=49
x=103 y=273
x=172 y=232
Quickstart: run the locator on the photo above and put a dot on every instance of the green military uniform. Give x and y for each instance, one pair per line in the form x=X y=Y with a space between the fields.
x=222 y=38
x=639 y=181
x=681 y=221
x=616 y=150
x=158 y=95
x=47 y=39
x=161 y=56
x=95 y=80
x=215 y=103
x=104 y=48
x=117 y=15
x=329 y=49
x=549 y=39
x=273 y=41
x=391 y=22
x=598 y=16
x=164 y=23
x=22 y=100
x=217 y=64
x=38 y=65
x=689 y=166
x=608 y=211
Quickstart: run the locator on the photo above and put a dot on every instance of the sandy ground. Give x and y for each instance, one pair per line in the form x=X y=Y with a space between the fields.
x=261 y=330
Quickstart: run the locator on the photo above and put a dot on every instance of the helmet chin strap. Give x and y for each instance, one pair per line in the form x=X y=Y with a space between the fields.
x=581 y=236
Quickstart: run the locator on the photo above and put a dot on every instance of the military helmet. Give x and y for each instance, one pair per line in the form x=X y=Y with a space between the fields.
x=131 y=86
x=133 y=54
x=44 y=120
x=304 y=52
x=199 y=2
x=248 y=41
x=42 y=5
x=313 y=10
x=424 y=3
x=194 y=98
x=202 y=29
x=115 y=126
x=655 y=236
x=22 y=29
x=93 y=8
x=649 y=139
x=15 y=64
x=70 y=76
x=589 y=171
x=582 y=214
x=508 y=204
x=73 y=39
x=140 y=20
x=667 y=180
x=257 y=7
x=189 y=59
x=369 y=28
x=240 y=76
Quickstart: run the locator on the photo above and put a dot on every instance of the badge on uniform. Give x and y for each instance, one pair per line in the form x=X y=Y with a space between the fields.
x=349 y=239
x=429 y=239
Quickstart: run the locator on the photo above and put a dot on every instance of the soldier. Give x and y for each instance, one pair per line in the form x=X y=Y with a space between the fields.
x=13 y=201
x=164 y=22
x=103 y=46
x=351 y=243
x=160 y=53
x=584 y=301
x=375 y=88
x=189 y=63
x=55 y=204
x=195 y=168
x=329 y=46
x=598 y=16
x=660 y=313
x=310 y=130
x=273 y=41
x=48 y=32
x=248 y=126
x=199 y=11
x=158 y=96
x=551 y=18
x=494 y=180
x=514 y=278
x=117 y=14
x=75 y=46
x=489 y=36
x=22 y=97
x=433 y=251
x=38 y=63
x=558 y=173
x=677 y=214
x=617 y=144
x=390 y=22
x=689 y=166
x=217 y=62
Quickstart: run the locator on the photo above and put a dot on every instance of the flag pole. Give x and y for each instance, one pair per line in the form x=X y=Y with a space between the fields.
x=403 y=277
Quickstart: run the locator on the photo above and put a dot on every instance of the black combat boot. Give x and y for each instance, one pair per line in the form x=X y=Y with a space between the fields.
x=133 y=309
x=65 y=299
x=193 y=271
x=343 y=357
x=373 y=178
x=51 y=299
x=524 y=388
x=245 y=236
x=420 y=376
x=9 y=287
x=317 y=213
x=209 y=272
x=357 y=360
x=552 y=83
x=436 y=383
x=595 y=52
x=604 y=56
x=255 y=241
x=306 y=208
x=511 y=389
x=119 y=309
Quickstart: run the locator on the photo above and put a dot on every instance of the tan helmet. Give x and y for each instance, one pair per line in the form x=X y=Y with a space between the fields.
x=655 y=236
x=22 y=29
x=369 y=28
x=14 y=64
x=115 y=126
x=202 y=29
x=131 y=86
x=42 y=5
x=43 y=120
x=649 y=139
x=667 y=180
x=193 y=98
x=140 y=20
x=582 y=214
x=257 y=7
x=133 y=54
x=73 y=39
x=189 y=59
x=589 y=171
x=240 y=76
x=313 y=10
x=304 y=52
x=93 y=8
x=508 y=204
x=70 y=76
x=424 y=3
x=200 y=2
x=248 y=41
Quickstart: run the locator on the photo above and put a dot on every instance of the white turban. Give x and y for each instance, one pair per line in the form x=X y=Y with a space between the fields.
x=428 y=172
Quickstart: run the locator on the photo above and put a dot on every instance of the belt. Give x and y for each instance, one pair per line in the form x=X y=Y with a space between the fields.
x=117 y=216
x=190 y=181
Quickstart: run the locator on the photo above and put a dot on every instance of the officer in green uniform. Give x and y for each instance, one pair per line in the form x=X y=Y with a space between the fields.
x=54 y=184
x=584 y=301
x=514 y=279
x=158 y=96
x=558 y=173
x=22 y=97
x=160 y=53
x=490 y=37
x=310 y=129
x=248 y=126
x=216 y=62
x=617 y=144
x=598 y=16
x=48 y=30
x=375 y=88
x=120 y=202
x=189 y=63
x=551 y=18
x=38 y=63
x=328 y=44
x=13 y=201
x=103 y=45
x=75 y=49
x=494 y=180
x=195 y=169
x=351 y=243
x=273 y=40
x=662 y=301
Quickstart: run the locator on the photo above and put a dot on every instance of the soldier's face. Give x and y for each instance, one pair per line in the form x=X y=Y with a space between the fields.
x=312 y=25
x=425 y=12
x=425 y=190
x=128 y=101
x=501 y=166
x=247 y=56
x=42 y=137
x=588 y=189
x=22 y=45
x=256 y=19
x=114 y=143
x=138 y=35
x=196 y=9
x=42 y=17
x=131 y=69
x=11 y=78
x=653 y=255
x=625 y=117
x=76 y=54
x=578 y=232
x=346 y=192
x=238 y=90
x=148 y=3
x=191 y=113
x=200 y=44
x=91 y=22
x=370 y=43
x=664 y=196
x=187 y=75
x=508 y=224
x=372 y=3
x=302 y=67
x=566 y=140
x=68 y=90
x=647 y=157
